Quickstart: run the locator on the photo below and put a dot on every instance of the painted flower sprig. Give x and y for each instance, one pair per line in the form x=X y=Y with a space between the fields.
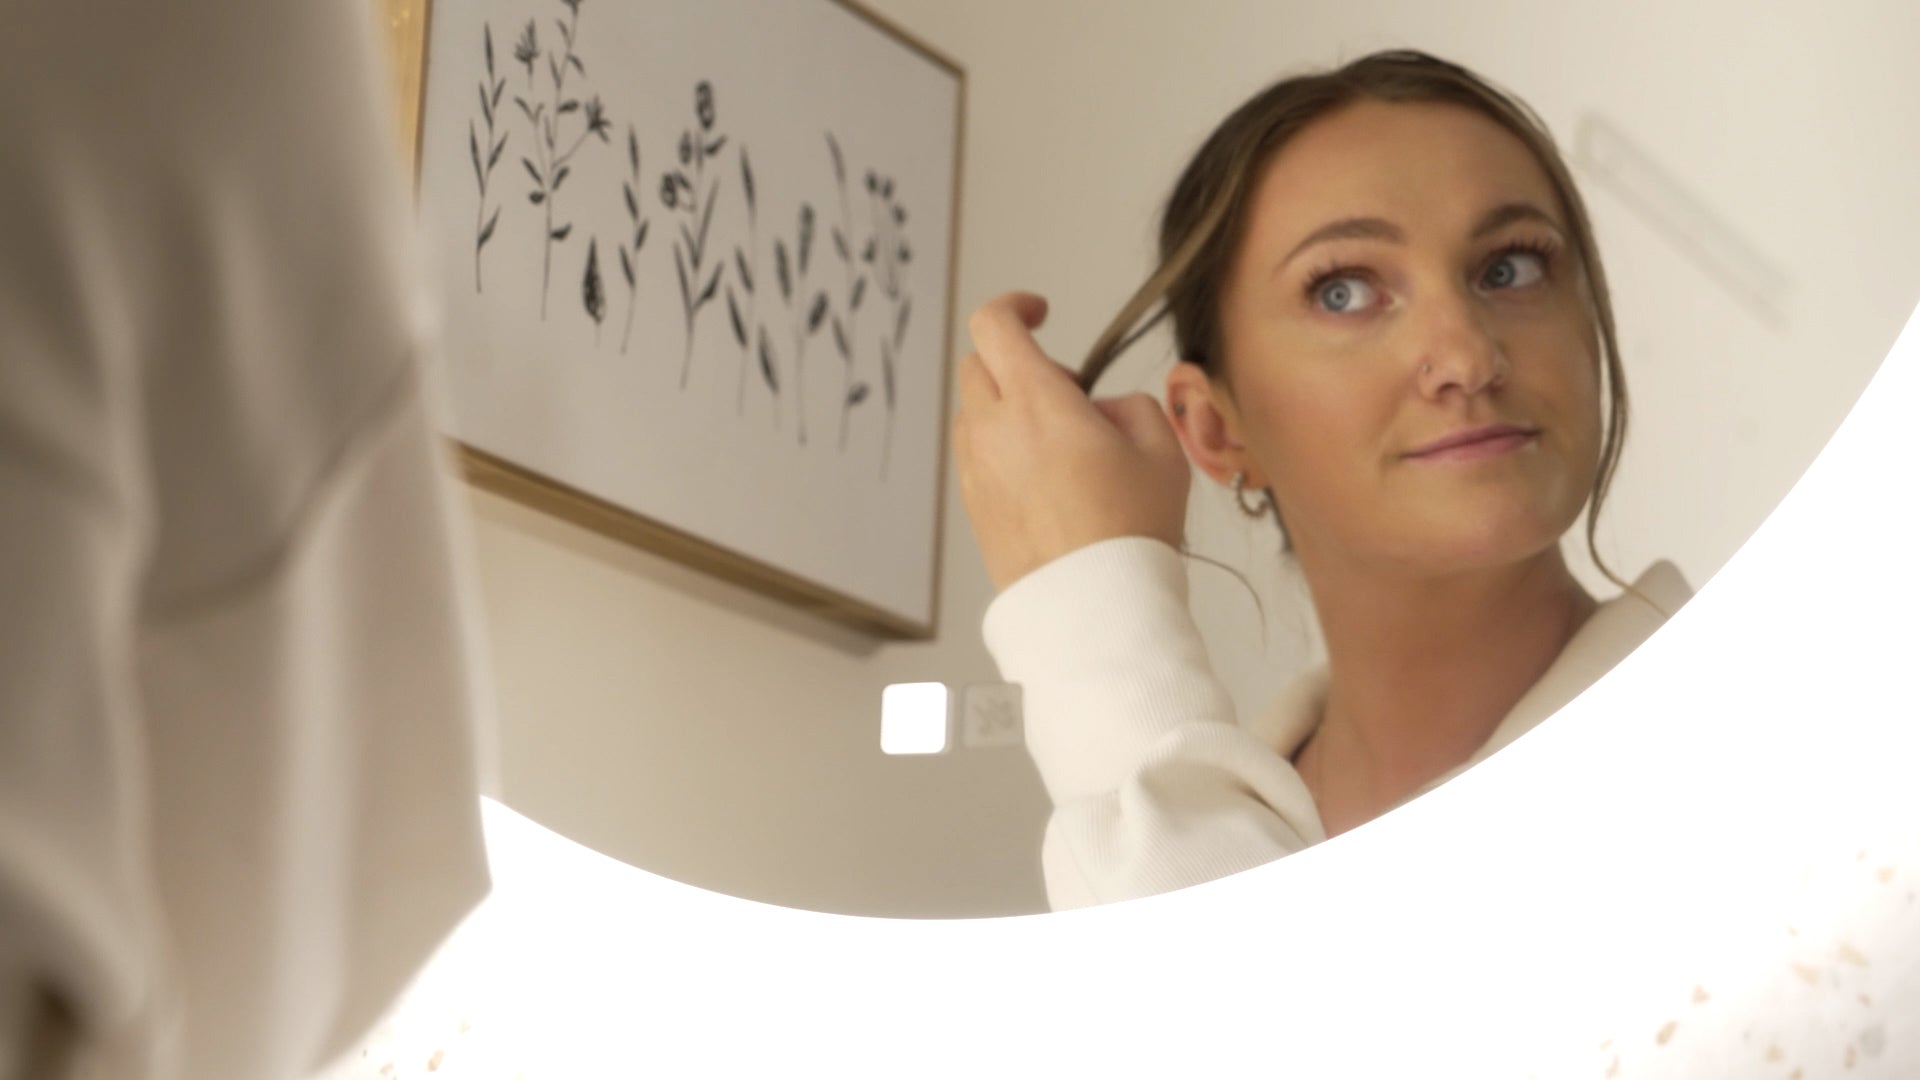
x=630 y=251
x=549 y=167
x=490 y=90
x=767 y=370
x=847 y=333
x=593 y=291
x=686 y=189
x=888 y=254
x=743 y=273
x=807 y=315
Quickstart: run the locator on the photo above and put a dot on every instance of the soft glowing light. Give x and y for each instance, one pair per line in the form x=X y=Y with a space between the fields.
x=913 y=718
x=1705 y=866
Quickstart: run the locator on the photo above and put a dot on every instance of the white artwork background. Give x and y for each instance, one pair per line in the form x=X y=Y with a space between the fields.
x=602 y=408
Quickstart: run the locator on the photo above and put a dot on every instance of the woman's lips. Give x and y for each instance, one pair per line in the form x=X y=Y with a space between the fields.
x=1476 y=444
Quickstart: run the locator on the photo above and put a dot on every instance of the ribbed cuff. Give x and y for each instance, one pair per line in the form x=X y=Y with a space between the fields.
x=1108 y=658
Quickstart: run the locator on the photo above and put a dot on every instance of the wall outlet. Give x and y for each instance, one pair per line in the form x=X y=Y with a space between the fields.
x=990 y=716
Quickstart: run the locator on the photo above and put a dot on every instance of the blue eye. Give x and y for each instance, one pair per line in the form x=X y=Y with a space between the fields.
x=1516 y=268
x=1341 y=295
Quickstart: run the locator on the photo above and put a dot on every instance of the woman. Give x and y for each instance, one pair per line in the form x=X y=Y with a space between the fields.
x=1395 y=342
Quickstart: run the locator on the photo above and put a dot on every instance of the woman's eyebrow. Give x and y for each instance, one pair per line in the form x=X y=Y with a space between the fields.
x=1373 y=228
x=1369 y=228
x=1507 y=213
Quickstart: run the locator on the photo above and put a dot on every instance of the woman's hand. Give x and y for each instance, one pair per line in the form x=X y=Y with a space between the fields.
x=1044 y=470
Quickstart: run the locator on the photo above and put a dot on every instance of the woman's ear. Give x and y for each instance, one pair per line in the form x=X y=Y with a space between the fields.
x=1204 y=418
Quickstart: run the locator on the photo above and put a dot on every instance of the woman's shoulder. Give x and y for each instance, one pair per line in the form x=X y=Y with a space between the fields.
x=1615 y=630
x=1662 y=585
x=1621 y=624
x=1292 y=715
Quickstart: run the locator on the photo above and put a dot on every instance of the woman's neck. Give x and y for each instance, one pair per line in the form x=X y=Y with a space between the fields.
x=1422 y=670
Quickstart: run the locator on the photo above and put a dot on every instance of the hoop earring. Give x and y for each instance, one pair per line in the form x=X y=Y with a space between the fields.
x=1261 y=504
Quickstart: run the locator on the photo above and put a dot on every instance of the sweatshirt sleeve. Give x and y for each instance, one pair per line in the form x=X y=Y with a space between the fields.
x=1154 y=785
x=240 y=692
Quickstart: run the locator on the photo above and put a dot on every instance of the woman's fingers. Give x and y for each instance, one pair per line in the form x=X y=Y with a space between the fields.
x=1043 y=469
x=977 y=389
x=1160 y=462
x=1027 y=309
x=1141 y=419
x=1002 y=330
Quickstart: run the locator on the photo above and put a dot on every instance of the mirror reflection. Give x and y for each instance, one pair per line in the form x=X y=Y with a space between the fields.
x=1396 y=347
x=1453 y=373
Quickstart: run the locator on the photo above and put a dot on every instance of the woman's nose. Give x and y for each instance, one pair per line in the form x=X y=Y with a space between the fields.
x=1456 y=348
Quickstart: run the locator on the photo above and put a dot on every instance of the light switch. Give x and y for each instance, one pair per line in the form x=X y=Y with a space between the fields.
x=990 y=716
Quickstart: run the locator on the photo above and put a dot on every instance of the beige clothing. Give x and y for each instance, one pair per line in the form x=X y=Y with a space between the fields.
x=1155 y=784
x=238 y=795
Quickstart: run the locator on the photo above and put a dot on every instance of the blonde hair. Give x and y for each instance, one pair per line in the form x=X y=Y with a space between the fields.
x=1201 y=225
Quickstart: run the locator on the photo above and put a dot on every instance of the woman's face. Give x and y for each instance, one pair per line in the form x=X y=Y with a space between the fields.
x=1407 y=279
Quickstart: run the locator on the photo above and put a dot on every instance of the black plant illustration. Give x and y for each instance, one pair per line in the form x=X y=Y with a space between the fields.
x=630 y=251
x=490 y=91
x=846 y=333
x=767 y=370
x=549 y=166
x=743 y=272
x=806 y=314
x=739 y=324
x=887 y=254
x=687 y=190
x=592 y=293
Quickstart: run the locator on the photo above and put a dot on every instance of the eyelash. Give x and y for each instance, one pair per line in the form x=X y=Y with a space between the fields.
x=1544 y=250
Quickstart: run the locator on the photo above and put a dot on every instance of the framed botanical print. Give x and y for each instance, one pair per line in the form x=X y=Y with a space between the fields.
x=695 y=260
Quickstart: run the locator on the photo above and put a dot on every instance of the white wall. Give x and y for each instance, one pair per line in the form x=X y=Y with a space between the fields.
x=701 y=732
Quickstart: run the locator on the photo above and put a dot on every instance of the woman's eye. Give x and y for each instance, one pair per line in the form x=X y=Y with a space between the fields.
x=1516 y=269
x=1344 y=294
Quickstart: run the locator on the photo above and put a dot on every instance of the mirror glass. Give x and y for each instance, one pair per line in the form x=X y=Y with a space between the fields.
x=1749 y=178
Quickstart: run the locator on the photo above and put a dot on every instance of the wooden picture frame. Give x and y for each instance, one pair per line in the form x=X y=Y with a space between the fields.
x=893 y=535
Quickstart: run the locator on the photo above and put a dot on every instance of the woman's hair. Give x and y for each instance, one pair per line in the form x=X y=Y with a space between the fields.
x=1201 y=226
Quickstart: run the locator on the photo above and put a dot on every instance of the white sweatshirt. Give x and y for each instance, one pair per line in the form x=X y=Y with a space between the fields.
x=238 y=793
x=1155 y=785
